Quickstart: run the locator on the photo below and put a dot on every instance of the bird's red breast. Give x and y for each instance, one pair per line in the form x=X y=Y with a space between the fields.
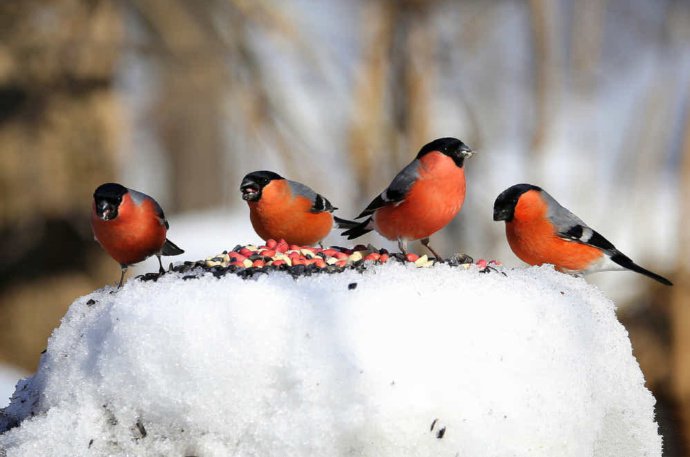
x=281 y=215
x=533 y=238
x=135 y=234
x=432 y=202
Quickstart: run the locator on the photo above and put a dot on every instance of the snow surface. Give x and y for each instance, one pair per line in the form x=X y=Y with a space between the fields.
x=534 y=363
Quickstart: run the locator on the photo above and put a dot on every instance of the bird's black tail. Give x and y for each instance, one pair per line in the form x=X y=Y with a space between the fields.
x=170 y=248
x=354 y=229
x=625 y=262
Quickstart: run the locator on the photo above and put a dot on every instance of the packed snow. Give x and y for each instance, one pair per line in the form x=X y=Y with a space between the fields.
x=394 y=361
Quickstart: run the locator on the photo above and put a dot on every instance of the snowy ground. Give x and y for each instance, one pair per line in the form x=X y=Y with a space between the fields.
x=396 y=361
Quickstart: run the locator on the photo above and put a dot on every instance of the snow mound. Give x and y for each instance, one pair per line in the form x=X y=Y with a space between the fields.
x=392 y=361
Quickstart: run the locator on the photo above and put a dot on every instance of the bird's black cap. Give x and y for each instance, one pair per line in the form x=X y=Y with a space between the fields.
x=254 y=182
x=452 y=147
x=504 y=206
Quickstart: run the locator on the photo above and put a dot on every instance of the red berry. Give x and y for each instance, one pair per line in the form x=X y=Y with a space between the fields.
x=383 y=258
x=259 y=263
x=271 y=243
x=411 y=257
x=236 y=257
x=373 y=256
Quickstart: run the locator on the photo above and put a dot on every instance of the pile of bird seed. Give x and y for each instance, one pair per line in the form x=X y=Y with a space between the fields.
x=247 y=261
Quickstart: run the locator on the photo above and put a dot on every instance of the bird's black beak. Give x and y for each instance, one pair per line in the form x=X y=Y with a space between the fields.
x=106 y=210
x=251 y=191
x=503 y=214
x=466 y=152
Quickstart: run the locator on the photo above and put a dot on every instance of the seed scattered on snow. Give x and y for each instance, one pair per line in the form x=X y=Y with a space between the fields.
x=248 y=260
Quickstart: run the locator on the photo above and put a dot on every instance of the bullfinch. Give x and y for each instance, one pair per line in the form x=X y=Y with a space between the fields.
x=130 y=226
x=422 y=199
x=540 y=230
x=284 y=209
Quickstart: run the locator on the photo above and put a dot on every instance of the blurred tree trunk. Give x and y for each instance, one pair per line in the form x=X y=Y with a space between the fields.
x=546 y=25
x=393 y=89
x=368 y=120
x=680 y=296
x=190 y=100
x=59 y=126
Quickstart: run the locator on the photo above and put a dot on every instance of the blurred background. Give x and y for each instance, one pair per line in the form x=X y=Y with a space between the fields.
x=589 y=99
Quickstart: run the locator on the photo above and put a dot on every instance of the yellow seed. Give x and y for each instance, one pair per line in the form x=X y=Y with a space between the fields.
x=309 y=254
x=355 y=256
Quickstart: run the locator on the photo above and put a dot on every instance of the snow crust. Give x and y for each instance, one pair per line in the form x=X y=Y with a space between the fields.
x=533 y=363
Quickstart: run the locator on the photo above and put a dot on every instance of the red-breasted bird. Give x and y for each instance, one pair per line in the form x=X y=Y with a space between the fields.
x=422 y=199
x=130 y=226
x=540 y=230
x=284 y=209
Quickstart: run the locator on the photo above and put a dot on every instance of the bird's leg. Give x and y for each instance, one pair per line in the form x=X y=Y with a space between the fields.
x=425 y=242
x=402 y=245
x=161 y=270
x=122 y=276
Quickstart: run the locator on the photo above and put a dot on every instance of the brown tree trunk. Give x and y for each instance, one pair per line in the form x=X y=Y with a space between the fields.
x=59 y=125
x=680 y=295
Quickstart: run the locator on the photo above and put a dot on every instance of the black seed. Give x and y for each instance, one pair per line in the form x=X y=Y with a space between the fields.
x=433 y=424
x=313 y=268
x=141 y=429
x=298 y=269
x=352 y=286
x=441 y=432
x=91 y=302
